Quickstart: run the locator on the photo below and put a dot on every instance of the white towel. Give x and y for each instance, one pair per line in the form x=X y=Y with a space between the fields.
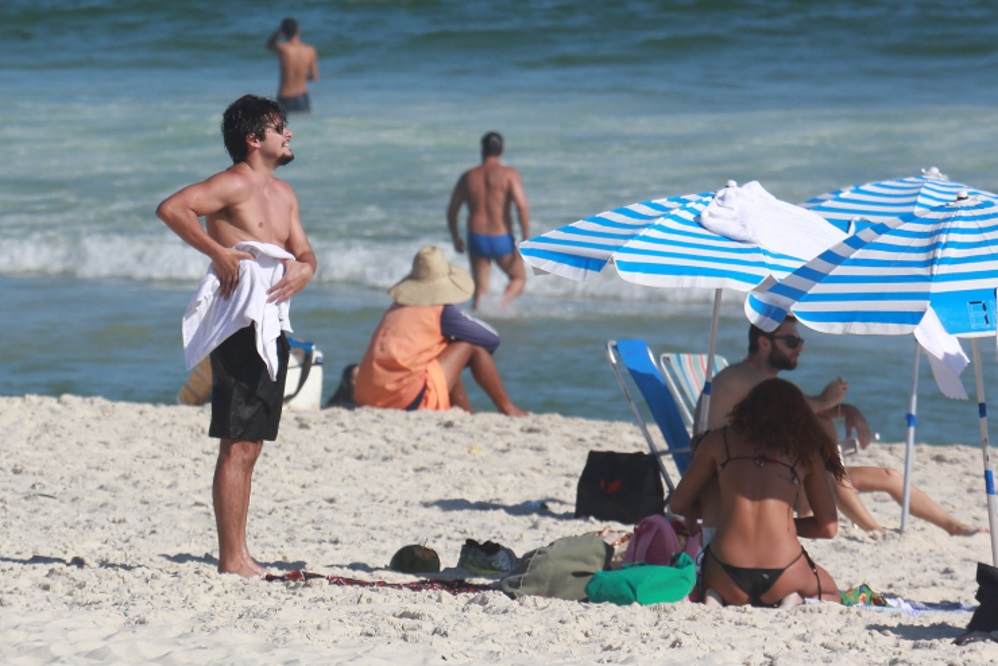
x=946 y=356
x=211 y=319
x=752 y=215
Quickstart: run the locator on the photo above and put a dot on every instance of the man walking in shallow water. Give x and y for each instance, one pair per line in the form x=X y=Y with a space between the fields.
x=490 y=190
x=244 y=206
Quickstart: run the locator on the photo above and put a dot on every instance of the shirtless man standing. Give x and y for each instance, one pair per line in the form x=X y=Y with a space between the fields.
x=299 y=64
x=244 y=203
x=490 y=190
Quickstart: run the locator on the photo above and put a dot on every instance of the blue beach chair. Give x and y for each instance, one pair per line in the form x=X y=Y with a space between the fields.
x=647 y=377
x=685 y=375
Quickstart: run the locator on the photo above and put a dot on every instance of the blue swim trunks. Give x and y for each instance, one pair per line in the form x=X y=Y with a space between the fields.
x=296 y=103
x=490 y=247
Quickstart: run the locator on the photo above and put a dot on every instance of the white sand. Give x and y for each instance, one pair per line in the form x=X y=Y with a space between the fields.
x=107 y=547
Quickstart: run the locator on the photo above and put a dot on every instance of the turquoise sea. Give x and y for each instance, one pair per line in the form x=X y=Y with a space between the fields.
x=109 y=106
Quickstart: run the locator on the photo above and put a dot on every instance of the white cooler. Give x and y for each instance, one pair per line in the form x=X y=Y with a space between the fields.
x=303 y=388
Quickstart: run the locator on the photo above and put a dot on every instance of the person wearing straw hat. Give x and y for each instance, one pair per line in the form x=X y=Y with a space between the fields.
x=424 y=342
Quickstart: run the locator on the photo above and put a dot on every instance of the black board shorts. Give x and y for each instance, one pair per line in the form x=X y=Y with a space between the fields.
x=245 y=403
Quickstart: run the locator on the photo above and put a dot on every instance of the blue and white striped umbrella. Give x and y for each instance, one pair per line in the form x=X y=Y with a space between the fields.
x=859 y=206
x=939 y=267
x=581 y=250
x=732 y=239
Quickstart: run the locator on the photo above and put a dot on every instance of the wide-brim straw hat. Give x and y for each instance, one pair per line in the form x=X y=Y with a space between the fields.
x=433 y=281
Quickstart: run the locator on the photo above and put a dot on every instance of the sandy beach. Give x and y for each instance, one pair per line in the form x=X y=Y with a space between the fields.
x=107 y=548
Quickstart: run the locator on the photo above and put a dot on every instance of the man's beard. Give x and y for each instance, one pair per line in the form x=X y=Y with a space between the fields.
x=781 y=361
x=286 y=159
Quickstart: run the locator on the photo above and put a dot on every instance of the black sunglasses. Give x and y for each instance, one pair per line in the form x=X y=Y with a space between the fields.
x=791 y=341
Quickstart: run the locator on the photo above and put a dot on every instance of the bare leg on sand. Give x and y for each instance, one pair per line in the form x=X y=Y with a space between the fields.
x=881 y=479
x=231 y=494
x=460 y=355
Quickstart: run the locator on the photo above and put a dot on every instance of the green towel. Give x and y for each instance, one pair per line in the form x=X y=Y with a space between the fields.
x=644 y=583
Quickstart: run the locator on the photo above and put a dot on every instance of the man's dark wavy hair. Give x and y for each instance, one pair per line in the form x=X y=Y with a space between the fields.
x=249 y=114
x=289 y=27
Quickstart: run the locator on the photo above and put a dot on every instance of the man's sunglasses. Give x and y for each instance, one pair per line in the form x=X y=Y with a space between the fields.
x=791 y=341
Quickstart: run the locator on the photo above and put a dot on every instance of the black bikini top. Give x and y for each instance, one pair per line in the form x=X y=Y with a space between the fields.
x=760 y=460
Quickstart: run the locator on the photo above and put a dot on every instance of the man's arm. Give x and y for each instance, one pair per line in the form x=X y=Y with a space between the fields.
x=273 y=41
x=182 y=212
x=828 y=401
x=519 y=197
x=299 y=272
x=313 y=66
x=830 y=405
x=457 y=199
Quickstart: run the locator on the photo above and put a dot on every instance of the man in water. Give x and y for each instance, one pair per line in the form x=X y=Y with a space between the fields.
x=771 y=353
x=252 y=226
x=490 y=190
x=299 y=64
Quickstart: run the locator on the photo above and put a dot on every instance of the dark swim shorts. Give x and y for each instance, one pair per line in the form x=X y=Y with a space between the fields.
x=490 y=247
x=245 y=403
x=295 y=103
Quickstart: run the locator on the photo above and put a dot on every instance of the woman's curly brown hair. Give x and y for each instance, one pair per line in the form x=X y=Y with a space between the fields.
x=776 y=416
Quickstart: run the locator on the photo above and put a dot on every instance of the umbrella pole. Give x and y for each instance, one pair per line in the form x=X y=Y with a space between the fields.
x=701 y=424
x=909 y=456
x=989 y=480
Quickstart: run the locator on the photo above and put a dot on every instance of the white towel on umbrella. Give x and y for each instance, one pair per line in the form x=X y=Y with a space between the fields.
x=946 y=356
x=751 y=214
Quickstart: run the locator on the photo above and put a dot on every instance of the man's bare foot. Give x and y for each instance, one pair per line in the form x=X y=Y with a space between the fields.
x=246 y=568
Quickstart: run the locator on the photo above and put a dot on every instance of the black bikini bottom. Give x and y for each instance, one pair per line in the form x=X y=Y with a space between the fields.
x=756 y=582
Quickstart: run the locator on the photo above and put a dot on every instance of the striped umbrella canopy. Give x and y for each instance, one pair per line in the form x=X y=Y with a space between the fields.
x=859 y=206
x=729 y=239
x=933 y=274
x=581 y=250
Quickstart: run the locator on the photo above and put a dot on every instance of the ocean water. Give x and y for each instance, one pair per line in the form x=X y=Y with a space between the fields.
x=107 y=107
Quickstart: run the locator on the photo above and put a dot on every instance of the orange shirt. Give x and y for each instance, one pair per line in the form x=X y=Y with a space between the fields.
x=402 y=358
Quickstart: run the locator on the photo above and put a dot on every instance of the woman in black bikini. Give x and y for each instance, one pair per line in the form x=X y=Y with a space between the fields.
x=773 y=449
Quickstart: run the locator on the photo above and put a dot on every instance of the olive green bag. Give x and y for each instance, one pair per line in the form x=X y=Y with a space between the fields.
x=561 y=569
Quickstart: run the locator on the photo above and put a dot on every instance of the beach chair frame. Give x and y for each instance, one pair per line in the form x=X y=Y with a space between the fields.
x=647 y=376
x=685 y=374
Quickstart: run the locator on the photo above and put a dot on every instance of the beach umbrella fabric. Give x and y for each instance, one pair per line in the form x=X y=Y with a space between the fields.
x=731 y=239
x=933 y=274
x=859 y=206
x=581 y=250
